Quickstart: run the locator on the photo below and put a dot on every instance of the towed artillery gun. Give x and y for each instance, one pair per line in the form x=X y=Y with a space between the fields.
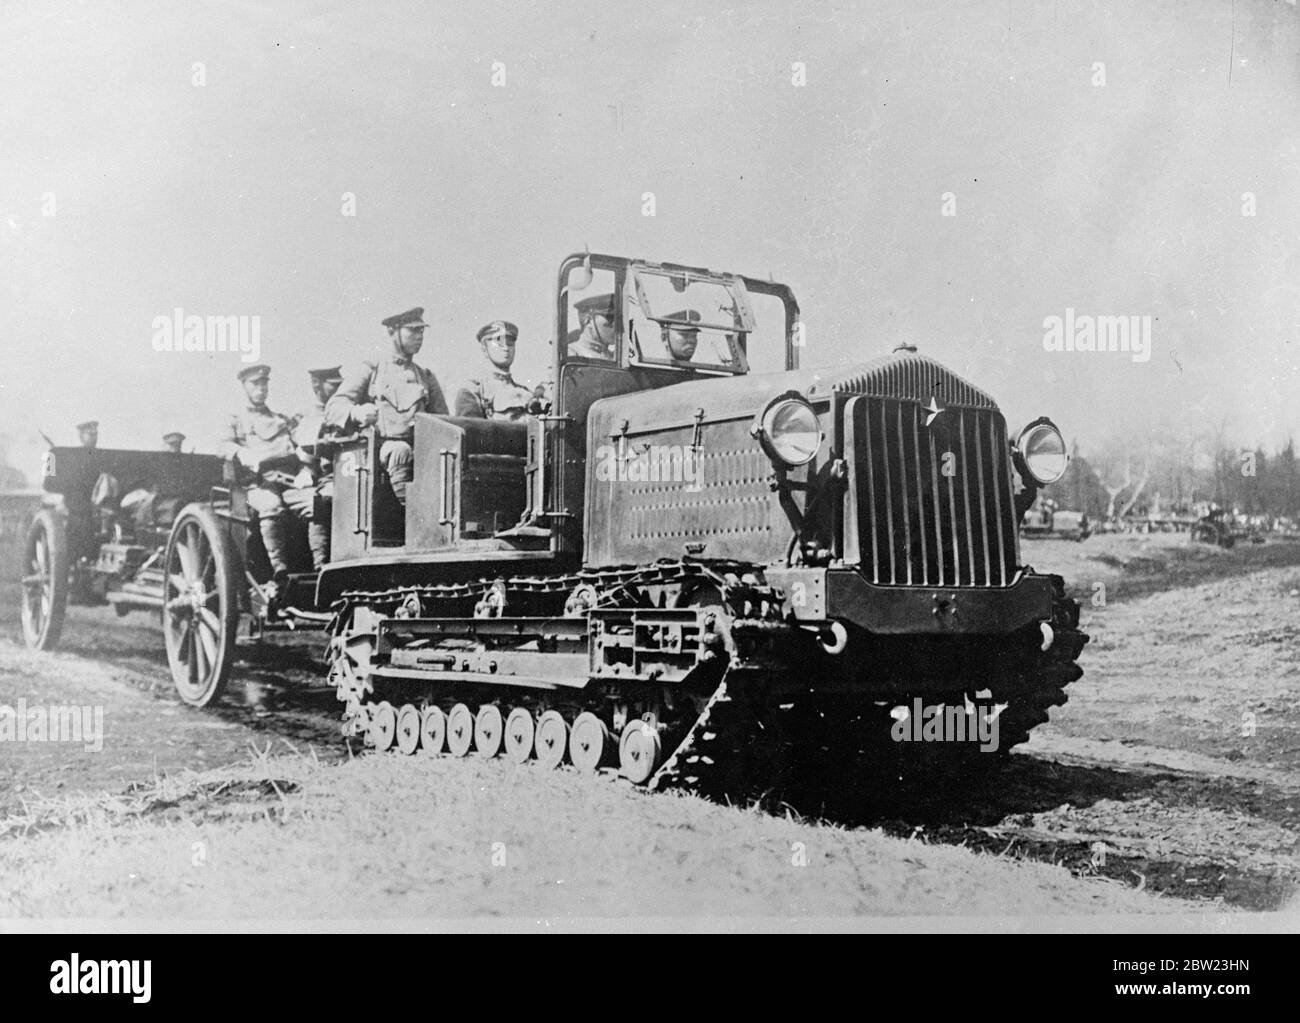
x=86 y=548
x=165 y=532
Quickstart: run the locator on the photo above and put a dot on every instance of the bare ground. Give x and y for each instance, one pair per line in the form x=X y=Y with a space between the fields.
x=1154 y=780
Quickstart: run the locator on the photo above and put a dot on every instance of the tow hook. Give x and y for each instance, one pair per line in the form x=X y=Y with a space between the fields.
x=944 y=606
x=834 y=639
x=1049 y=637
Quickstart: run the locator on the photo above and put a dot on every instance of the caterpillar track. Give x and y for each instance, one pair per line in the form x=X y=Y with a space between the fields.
x=733 y=726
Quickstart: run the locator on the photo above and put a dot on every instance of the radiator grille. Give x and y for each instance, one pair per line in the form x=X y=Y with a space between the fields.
x=933 y=503
x=910 y=376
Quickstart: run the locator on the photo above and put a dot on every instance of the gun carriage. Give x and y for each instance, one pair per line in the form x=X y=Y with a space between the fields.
x=101 y=539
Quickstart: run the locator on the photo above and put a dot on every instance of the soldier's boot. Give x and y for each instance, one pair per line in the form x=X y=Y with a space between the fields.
x=318 y=539
x=273 y=538
x=399 y=461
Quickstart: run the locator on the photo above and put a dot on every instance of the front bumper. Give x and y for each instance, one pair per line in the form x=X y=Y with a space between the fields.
x=819 y=595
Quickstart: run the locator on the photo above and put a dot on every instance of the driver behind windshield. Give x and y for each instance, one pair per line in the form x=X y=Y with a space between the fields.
x=681 y=340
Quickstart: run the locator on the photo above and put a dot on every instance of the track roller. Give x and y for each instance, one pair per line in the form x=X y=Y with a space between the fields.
x=519 y=735
x=552 y=739
x=383 y=727
x=433 y=730
x=460 y=730
x=590 y=744
x=488 y=731
x=639 y=751
x=408 y=729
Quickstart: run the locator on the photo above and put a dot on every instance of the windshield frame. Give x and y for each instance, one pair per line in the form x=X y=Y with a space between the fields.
x=742 y=319
x=620 y=265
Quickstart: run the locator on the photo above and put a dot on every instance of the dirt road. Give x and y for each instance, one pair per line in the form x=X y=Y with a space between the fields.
x=1174 y=769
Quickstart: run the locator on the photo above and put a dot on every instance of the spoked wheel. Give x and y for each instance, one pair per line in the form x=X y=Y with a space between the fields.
x=45 y=581
x=408 y=729
x=460 y=730
x=488 y=730
x=639 y=751
x=200 y=605
x=520 y=733
x=552 y=739
x=589 y=745
x=433 y=730
x=383 y=727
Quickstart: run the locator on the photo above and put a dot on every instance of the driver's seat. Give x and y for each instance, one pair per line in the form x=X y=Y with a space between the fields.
x=470 y=480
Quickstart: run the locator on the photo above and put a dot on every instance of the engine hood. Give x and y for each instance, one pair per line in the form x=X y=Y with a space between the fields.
x=899 y=375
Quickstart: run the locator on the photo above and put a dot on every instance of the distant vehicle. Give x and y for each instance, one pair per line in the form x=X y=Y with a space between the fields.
x=1214 y=528
x=1044 y=519
x=1285 y=528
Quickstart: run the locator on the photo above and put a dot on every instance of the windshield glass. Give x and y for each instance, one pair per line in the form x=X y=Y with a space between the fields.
x=683 y=318
x=664 y=295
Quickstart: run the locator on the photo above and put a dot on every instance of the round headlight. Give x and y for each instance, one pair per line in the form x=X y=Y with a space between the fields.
x=790 y=432
x=1042 y=451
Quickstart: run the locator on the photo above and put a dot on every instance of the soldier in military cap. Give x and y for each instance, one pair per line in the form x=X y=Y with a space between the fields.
x=172 y=441
x=313 y=492
x=260 y=442
x=82 y=510
x=387 y=392
x=324 y=383
x=681 y=340
x=496 y=394
x=595 y=336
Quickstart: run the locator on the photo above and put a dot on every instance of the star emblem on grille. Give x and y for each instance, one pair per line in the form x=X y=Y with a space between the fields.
x=933 y=409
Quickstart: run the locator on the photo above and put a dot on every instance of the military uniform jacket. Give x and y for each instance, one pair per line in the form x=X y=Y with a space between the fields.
x=495 y=395
x=268 y=434
x=398 y=387
x=311 y=428
x=583 y=345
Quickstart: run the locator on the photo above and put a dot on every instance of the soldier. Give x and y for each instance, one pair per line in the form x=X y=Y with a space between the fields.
x=314 y=490
x=681 y=341
x=87 y=510
x=387 y=392
x=595 y=336
x=324 y=384
x=496 y=394
x=260 y=441
x=173 y=441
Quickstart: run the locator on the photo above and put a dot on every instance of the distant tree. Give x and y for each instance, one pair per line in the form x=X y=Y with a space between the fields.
x=1284 y=482
x=1254 y=482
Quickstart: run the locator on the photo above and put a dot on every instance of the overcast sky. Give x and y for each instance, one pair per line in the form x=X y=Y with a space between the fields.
x=1097 y=155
